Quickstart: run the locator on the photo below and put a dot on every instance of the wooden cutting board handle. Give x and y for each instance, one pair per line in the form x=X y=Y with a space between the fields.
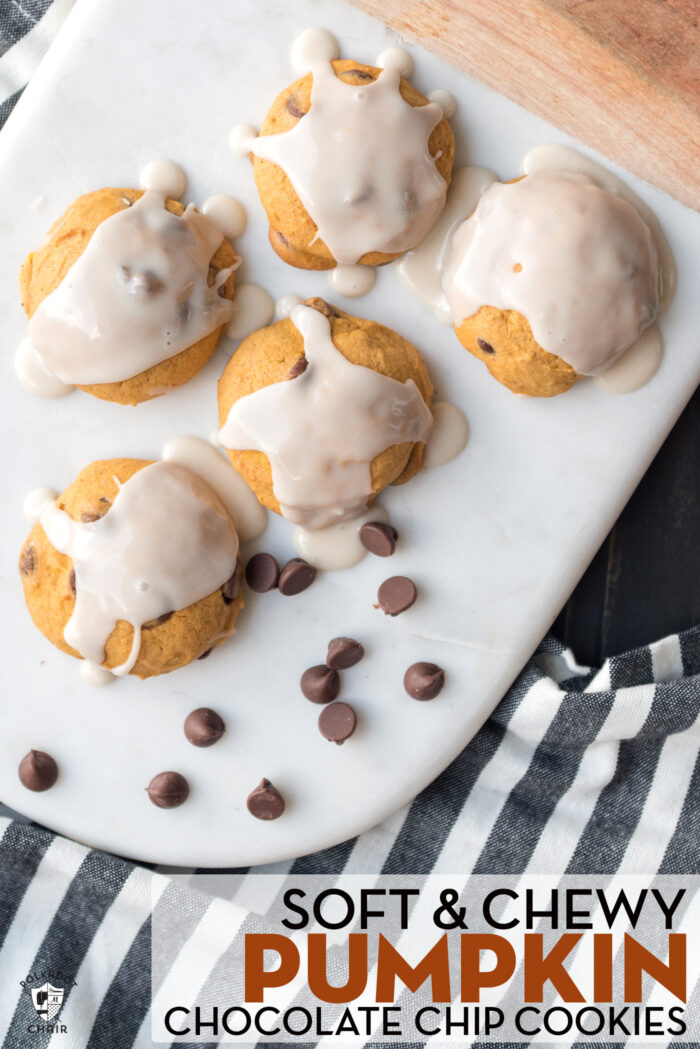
x=623 y=76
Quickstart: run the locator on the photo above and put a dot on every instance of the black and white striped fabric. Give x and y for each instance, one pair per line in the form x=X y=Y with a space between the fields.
x=576 y=771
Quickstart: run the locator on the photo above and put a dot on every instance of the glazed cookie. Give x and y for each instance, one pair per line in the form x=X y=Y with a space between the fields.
x=551 y=279
x=321 y=411
x=153 y=582
x=170 y=320
x=352 y=165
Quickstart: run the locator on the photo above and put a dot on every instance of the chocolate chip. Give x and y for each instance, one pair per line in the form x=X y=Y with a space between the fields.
x=71 y=581
x=141 y=282
x=265 y=802
x=484 y=346
x=204 y=727
x=321 y=306
x=424 y=680
x=337 y=722
x=88 y=516
x=281 y=238
x=205 y=653
x=167 y=790
x=320 y=684
x=396 y=594
x=27 y=562
x=361 y=74
x=232 y=587
x=379 y=538
x=292 y=107
x=298 y=368
x=104 y=499
x=38 y=771
x=343 y=652
x=262 y=573
x=157 y=622
x=296 y=576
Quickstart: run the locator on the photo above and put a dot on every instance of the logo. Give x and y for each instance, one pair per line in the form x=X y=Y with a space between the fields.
x=48 y=990
x=47 y=1000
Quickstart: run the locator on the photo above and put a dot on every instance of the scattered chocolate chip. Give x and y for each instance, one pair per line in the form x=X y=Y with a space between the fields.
x=485 y=346
x=38 y=771
x=396 y=594
x=88 y=516
x=265 y=802
x=204 y=727
x=343 y=652
x=320 y=684
x=262 y=573
x=379 y=538
x=157 y=622
x=296 y=576
x=321 y=306
x=361 y=74
x=71 y=581
x=232 y=587
x=167 y=790
x=337 y=722
x=207 y=652
x=27 y=562
x=298 y=368
x=292 y=107
x=424 y=680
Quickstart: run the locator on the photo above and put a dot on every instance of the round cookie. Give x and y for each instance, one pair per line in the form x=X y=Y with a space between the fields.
x=170 y=642
x=272 y=355
x=292 y=230
x=44 y=269
x=503 y=340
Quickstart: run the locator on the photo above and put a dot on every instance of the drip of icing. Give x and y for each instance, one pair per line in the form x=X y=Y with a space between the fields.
x=421 y=270
x=636 y=366
x=253 y=308
x=137 y=295
x=587 y=282
x=241 y=139
x=249 y=516
x=94 y=674
x=33 y=375
x=398 y=59
x=34 y=503
x=446 y=100
x=165 y=177
x=360 y=164
x=39 y=204
x=352 y=281
x=312 y=46
x=165 y=542
x=285 y=305
x=449 y=435
x=544 y=158
x=322 y=429
x=339 y=545
x=227 y=214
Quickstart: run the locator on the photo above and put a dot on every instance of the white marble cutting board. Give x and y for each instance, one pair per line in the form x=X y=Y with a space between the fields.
x=495 y=540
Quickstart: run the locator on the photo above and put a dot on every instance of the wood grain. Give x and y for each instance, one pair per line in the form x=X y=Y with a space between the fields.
x=623 y=76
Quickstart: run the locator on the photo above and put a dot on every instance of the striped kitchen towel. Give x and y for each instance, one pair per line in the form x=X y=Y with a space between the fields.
x=576 y=771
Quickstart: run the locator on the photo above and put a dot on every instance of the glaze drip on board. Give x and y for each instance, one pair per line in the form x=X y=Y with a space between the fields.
x=138 y=295
x=360 y=164
x=322 y=429
x=165 y=543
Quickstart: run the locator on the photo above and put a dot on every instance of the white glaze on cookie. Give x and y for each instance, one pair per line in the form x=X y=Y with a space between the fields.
x=165 y=177
x=398 y=59
x=313 y=45
x=421 y=270
x=34 y=503
x=446 y=100
x=137 y=296
x=636 y=366
x=201 y=457
x=33 y=375
x=360 y=164
x=227 y=213
x=285 y=305
x=322 y=429
x=586 y=279
x=165 y=543
x=253 y=308
x=241 y=138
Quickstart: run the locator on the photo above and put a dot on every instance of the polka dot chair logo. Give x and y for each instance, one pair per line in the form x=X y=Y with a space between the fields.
x=47 y=991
